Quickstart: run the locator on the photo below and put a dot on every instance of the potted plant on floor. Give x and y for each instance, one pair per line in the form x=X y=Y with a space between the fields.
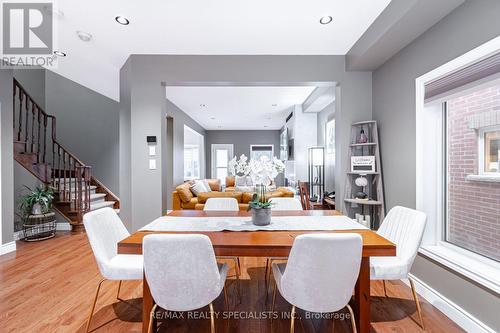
x=263 y=171
x=37 y=201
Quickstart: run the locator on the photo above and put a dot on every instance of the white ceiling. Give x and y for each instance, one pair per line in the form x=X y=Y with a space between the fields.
x=238 y=108
x=201 y=27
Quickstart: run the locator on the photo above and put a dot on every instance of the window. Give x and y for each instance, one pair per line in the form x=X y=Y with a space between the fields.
x=489 y=150
x=257 y=151
x=193 y=154
x=191 y=162
x=472 y=145
x=457 y=120
x=221 y=154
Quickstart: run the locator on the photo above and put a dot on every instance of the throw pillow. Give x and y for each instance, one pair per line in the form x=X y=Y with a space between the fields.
x=207 y=185
x=198 y=187
x=184 y=192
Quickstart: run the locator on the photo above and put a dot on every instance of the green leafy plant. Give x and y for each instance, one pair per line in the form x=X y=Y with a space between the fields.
x=259 y=201
x=41 y=195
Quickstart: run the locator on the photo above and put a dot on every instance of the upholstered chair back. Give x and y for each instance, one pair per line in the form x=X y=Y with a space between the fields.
x=322 y=270
x=181 y=271
x=405 y=228
x=104 y=230
x=224 y=204
x=286 y=204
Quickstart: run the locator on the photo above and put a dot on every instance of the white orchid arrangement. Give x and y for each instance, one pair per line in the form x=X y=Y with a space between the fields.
x=239 y=167
x=262 y=171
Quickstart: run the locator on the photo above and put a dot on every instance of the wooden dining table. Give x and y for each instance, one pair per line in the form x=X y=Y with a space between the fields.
x=271 y=244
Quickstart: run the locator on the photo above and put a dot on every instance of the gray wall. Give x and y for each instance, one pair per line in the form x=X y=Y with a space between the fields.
x=180 y=119
x=7 y=148
x=87 y=125
x=242 y=141
x=143 y=108
x=33 y=80
x=469 y=26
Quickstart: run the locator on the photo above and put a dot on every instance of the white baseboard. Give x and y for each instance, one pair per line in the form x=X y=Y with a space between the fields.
x=60 y=226
x=8 y=247
x=452 y=310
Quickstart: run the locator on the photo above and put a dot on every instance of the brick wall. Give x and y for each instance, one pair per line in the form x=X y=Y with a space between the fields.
x=473 y=207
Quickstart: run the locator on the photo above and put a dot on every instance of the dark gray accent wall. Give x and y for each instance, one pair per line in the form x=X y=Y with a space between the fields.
x=242 y=141
x=470 y=25
x=143 y=108
x=87 y=125
x=7 y=158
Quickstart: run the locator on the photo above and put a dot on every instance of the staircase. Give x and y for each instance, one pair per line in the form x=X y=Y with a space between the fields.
x=37 y=149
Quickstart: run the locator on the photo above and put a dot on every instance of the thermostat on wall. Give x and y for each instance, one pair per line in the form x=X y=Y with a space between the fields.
x=151 y=139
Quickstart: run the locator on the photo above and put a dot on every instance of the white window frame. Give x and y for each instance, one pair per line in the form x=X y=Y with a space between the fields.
x=262 y=145
x=430 y=172
x=482 y=133
x=189 y=146
x=214 y=147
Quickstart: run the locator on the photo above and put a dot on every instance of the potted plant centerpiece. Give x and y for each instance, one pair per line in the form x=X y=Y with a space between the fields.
x=262 y=172
x=37 y=202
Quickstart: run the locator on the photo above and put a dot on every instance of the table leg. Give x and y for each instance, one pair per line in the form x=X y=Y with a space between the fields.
x=362 y=297
x=147 y=305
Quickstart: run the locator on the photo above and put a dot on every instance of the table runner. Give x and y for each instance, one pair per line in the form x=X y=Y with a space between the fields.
x=233 y=223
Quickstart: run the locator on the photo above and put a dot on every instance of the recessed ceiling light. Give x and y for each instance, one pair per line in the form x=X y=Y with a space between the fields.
x=203 y=105
x=326 y=19
x=274 y=105
x=122 y=20
x=266 y=126
x=59 y=53
x=84 y=36
x=213 y=118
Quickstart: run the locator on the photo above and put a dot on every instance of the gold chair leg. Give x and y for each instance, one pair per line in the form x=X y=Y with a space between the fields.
x=417 y=303
x=151 y=319
x=385 y=289
x=118 y=293
x=292 y=320
x=93 y=305
x=212 y=319
x=353 y=321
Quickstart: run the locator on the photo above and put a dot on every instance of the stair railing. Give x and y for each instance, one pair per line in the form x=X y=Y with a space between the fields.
x=71 y=178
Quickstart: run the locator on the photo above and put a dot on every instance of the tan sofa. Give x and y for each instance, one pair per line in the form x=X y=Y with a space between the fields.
x=183 y=198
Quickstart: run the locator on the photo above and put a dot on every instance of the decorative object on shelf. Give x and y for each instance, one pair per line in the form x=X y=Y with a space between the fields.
x=363 y=194
x=362 y=138
x=362 y=182
x=38 y=201
x=363 y=164
x=316 y=173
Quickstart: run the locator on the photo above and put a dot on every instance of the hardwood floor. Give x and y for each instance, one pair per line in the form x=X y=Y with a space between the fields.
x=49 y=286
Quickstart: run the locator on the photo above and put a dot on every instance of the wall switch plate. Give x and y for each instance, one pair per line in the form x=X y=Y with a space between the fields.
x=152 y=150
x=152 y=164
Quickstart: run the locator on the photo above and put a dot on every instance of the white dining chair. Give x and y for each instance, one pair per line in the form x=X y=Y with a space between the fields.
x=182 y=273
x=405 y=228
x=228 y=205
x=320 y=274
x=104 y=230
x=222 y=204
x=280 y=204
x=286 y=204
